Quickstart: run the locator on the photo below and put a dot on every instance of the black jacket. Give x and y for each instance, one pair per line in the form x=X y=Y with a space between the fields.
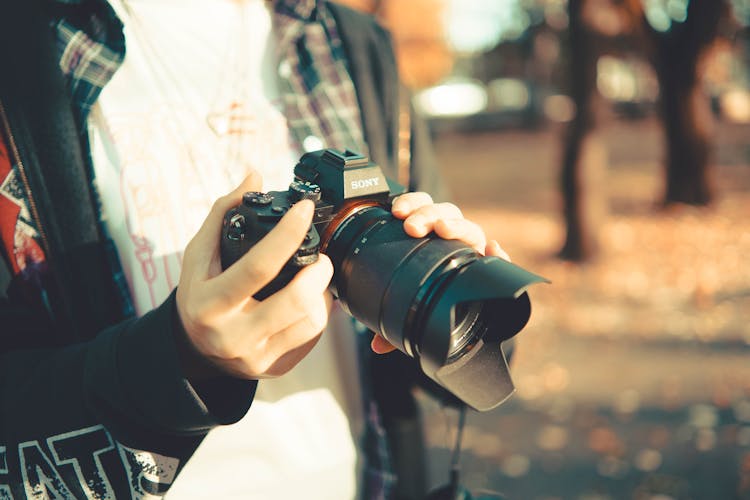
x=84 y=390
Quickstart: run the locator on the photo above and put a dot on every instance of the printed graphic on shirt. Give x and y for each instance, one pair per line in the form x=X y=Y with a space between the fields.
x=5 y=493
x=86 y=463
x=150 y=474
x=192 y=109
x=19 y=236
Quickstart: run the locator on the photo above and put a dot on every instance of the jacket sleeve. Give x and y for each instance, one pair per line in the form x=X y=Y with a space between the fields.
x=109 y=417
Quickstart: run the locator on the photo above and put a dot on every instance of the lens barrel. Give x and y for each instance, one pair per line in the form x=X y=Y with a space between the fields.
x=438 y=301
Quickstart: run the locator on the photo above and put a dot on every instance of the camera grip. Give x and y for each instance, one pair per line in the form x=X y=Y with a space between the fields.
x=244 y=226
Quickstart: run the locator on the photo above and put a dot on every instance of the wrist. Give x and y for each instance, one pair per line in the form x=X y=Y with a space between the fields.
x=194 y=365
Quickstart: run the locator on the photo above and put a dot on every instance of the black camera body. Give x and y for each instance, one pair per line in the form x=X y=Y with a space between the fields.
x=329 y=178
x=436 y=300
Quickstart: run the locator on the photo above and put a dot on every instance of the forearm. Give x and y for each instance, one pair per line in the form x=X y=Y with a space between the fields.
x=117 y=408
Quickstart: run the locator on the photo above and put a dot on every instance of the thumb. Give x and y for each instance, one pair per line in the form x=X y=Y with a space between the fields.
x=381 y=346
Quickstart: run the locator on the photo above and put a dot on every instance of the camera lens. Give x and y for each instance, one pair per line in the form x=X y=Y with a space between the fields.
x=383 y=277
x=436 y=300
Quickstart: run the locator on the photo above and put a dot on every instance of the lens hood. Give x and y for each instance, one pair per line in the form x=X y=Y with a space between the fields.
x=480 y=377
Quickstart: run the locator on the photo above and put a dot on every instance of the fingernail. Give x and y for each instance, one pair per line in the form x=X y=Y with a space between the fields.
x=375 y=346
x=303 y=208
x=380 y=346
x=400 y=207
x=305 y=205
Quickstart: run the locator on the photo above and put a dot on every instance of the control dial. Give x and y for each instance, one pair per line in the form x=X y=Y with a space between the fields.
x=299 y=190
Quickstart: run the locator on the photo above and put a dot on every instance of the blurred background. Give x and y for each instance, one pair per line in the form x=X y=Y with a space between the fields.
x=606 y=145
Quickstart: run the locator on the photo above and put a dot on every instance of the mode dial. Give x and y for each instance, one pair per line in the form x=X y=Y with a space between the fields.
x=299 y=190
x=257 y=199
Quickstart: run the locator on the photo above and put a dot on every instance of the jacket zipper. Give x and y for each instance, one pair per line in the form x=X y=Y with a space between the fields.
x=24 y=178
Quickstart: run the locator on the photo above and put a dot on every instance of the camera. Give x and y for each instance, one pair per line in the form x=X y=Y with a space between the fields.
x=438 y=301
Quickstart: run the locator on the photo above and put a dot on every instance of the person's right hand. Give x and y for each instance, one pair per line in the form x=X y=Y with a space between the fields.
x=239 y=335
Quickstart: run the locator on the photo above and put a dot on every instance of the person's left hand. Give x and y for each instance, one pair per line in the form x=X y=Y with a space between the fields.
x=422 y=216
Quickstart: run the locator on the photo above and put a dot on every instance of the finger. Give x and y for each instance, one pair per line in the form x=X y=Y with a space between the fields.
x=301 y=331
x=463 y=230
x=206 y=240
x=494 y=249
x=264 y=260
x=381 y=346
x=302 y=297
x=251 y=330
x=408 y=203
x=422 y=220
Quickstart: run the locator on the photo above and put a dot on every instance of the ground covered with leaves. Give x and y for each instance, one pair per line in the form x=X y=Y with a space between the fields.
x=633 y=375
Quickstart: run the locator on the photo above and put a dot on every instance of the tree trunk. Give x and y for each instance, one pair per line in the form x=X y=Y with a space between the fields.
x=687 y=120
x=685 y=109
x=578 y=185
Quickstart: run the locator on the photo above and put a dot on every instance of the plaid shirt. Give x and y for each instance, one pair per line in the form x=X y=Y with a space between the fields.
x=318 y=95
x=319 y=100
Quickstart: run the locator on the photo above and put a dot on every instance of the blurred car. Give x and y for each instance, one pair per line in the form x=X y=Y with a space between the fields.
x=468 y=104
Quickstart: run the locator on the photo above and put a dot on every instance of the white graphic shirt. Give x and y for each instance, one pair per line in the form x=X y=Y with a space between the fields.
x=193 y=107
